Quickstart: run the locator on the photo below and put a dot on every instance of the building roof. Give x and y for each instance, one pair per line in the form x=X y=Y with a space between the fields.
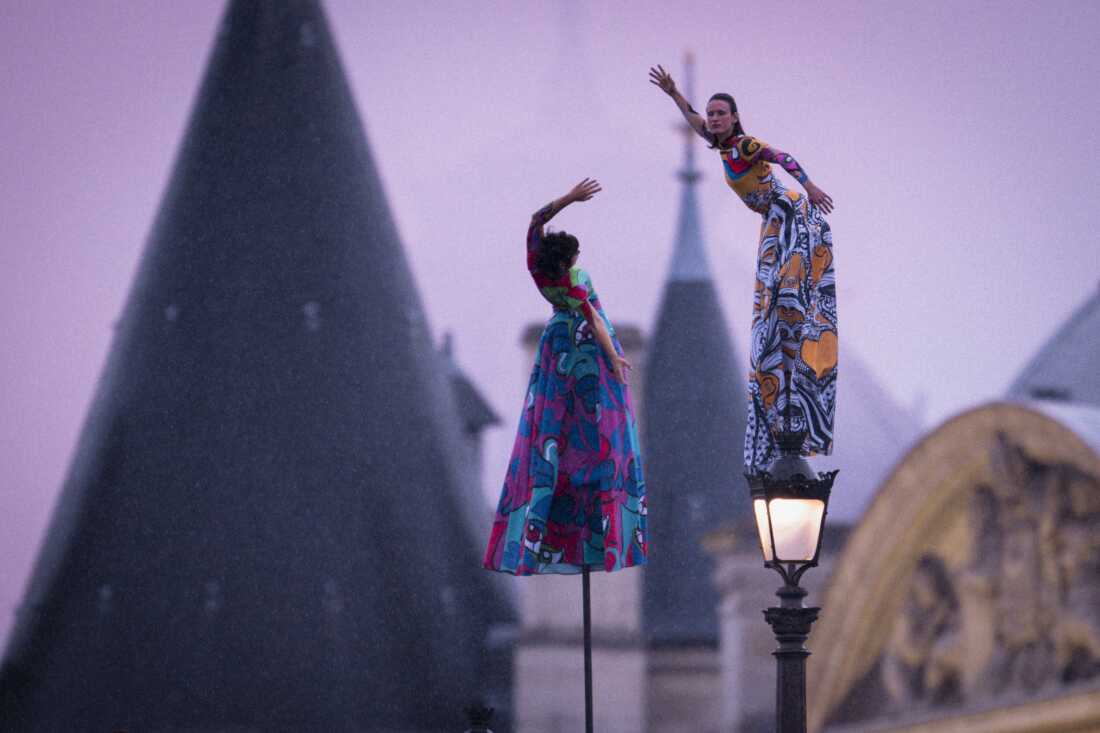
x=872 y=433
x=693 y=429
x=265 y=523
x=1065 y=368
x=474 y=410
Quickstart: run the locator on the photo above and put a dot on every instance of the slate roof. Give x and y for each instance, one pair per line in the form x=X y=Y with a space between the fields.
x=872 y=433
x=693 y=429
x=264 y=524
x=1067 y=367
x=474 y=410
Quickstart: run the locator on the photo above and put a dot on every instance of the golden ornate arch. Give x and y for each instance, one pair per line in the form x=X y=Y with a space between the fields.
x=921 y=509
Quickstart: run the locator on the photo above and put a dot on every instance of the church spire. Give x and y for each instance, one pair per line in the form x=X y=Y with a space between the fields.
x=693 y=427
x=689 y=256
x=689 y=174
x=265 y=524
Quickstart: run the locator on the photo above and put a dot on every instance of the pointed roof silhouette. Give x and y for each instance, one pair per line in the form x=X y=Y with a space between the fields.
x=693 y=433
x=474 y=410
x=1065 y=368
x=262 y=527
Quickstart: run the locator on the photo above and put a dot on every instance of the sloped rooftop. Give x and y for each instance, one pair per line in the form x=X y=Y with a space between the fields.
x=1067 y=367
x=873 y=432
x=263 y=524
x=474 y=410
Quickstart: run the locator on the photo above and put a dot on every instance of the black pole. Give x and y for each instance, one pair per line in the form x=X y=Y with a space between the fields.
x=586 y=592
x=791 y=623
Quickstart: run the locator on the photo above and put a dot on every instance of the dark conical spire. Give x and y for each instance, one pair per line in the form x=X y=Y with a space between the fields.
x=262 y=526
x=694 y=431
x=689 y=257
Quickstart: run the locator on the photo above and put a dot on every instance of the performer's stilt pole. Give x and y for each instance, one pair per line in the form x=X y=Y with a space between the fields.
x=586 y=592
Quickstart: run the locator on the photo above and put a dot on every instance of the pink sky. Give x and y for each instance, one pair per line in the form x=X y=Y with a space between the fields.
x=958 y=139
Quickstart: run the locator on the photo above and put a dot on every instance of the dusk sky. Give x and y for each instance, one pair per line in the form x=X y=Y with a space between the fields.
x=958 y=139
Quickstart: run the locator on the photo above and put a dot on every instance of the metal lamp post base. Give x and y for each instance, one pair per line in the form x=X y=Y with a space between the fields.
x=791 y=624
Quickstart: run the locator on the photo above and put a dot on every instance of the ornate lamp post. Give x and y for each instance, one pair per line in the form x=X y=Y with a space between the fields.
x=790 y=503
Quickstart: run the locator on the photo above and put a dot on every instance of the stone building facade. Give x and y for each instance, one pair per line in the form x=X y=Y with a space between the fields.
x=969 y=596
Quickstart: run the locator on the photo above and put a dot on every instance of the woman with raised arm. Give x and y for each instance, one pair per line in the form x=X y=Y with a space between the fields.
x=794 y=335
x=573 y=493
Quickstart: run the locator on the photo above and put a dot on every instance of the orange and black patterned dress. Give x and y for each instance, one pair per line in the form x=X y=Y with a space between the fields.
x=794 y=305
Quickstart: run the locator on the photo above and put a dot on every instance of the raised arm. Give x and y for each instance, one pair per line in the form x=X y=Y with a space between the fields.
x=663 y=80
x=787 y=162
x=583 y=191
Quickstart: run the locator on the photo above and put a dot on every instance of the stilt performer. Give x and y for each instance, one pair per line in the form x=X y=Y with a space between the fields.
x=573 y=495
x=794 y=334
x=574 y=498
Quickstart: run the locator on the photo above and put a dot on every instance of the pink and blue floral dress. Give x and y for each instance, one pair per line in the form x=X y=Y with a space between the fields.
x=574 y=493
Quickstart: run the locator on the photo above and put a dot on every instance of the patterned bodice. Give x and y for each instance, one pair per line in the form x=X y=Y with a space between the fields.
x=747 y=167
x=573 y=291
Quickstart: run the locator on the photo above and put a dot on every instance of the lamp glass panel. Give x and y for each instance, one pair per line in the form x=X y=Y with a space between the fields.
x=796 y=524
x=763 y=532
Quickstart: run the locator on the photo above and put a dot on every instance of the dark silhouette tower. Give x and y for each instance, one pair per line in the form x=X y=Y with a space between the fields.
x=693 y=434
x=263 y=527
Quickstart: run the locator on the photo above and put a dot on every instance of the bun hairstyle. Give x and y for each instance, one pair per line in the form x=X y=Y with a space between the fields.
x=556 y=251
x=728 y=99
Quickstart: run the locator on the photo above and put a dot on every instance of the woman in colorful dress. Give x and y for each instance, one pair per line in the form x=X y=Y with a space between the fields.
x=573 y=495
x=794 y=335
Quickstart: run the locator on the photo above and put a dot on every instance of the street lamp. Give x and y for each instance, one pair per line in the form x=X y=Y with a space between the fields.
x=790 y=504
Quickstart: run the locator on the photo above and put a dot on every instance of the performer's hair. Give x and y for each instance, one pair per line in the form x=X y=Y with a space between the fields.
x=728 y=99
x=555 y=253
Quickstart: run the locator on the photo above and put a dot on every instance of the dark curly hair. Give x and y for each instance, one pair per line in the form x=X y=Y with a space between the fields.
x=555 y=253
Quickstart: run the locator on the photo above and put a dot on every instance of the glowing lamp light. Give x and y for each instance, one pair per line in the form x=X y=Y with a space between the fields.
x=789 y=529
x=789 y=502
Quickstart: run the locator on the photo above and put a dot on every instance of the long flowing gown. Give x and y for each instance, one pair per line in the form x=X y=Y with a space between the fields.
x=574 y=493
x=794 y=325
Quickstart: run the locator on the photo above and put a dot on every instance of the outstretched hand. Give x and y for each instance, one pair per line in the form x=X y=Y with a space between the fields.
x=662 y=79
x=620 y=367
x=819 y=198
x=584 y=190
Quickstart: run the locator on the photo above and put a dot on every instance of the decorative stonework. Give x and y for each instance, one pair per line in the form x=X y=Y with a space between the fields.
x=973 y=582
x=1024 y=613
